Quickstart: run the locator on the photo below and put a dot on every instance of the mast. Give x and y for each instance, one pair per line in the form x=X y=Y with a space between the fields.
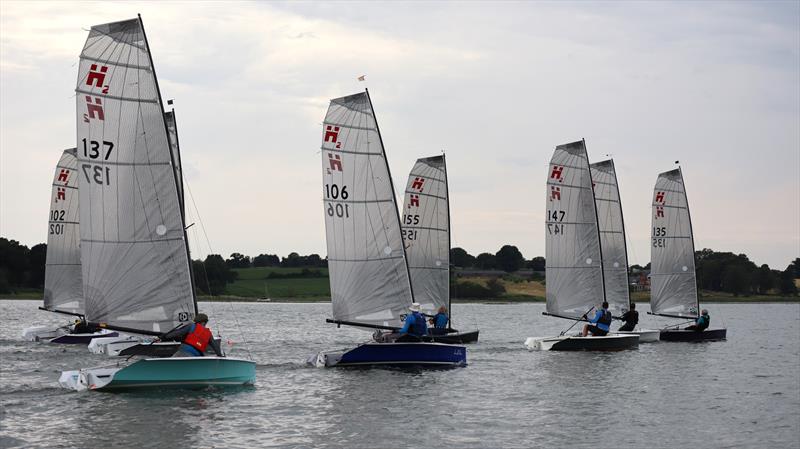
x=172 y=159
x=691 y=234
x=449 y=237
x=624 y=235
x=597 y=222
x=394 y=198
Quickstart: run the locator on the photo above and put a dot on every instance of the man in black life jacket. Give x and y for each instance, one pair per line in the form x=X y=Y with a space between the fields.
x=194 y=337
x=631 y=319
x=600 y=324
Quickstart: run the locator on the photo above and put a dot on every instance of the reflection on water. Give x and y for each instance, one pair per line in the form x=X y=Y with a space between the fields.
x=742 y=392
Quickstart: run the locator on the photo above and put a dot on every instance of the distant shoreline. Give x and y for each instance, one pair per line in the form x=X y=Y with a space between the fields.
x=517 y=299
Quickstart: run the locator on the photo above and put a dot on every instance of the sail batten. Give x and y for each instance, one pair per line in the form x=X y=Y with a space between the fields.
x=673 y=281
x=63 y=287
x=366 y=259
x=573 y=259
x=426 y=232
x=135 y=257
x=612 y=235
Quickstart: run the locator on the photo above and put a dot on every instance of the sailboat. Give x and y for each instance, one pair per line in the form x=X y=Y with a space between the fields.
x=132 y=344
x=673 y=281
x=426 y=235
x=135 y=257
x=612 y=243
x=370 y=282
x=574 y=261
x=63 y=289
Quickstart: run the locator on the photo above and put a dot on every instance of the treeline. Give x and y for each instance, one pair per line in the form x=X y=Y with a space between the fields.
x=293 y=260
x=508 y=258
x=736 y=274
x=21 y=267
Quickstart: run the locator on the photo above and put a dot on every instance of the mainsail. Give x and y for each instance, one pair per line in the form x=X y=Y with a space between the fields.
x=673 y=283
x=366 y=260
x=133 y=247
x=426 y=232
x=612 y=236
x=573 y=256
x=63 y=289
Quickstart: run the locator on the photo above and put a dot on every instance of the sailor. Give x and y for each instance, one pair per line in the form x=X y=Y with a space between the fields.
x=194 y=337
x=631 y=319
x=599 y=325
x=439 y=322
x=415 y=322
x=701 y=323
x=82 y=327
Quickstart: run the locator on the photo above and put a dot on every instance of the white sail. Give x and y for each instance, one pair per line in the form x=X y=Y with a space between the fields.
x=426 y=232
x=172 y=130
x=63 y=288
x=133 y=247
x=612 y=236
x=366 y=261
x=573 y=260
x=673 y=283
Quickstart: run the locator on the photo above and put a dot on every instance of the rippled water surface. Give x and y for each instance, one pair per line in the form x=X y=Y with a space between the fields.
x=744 y=392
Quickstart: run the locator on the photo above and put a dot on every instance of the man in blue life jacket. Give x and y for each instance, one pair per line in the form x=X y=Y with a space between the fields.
x=701 y=323
x=415 y=322
x=439 y=322
x=194 y=337
x=600 y=324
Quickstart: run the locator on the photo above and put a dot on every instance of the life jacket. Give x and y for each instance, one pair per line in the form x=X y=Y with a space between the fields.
x=418 y=326
x=605 y=318
x=440 y=320
x=199 y=337
x=703 y=321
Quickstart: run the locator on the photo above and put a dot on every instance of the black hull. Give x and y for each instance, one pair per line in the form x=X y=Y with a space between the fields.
x=454 y=337
x=596 y=344
x=684 y=335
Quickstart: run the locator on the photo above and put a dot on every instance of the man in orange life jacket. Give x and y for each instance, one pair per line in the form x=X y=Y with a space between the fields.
x=194 y=338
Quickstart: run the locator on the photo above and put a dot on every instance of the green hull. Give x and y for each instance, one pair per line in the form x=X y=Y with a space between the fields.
x=179 y=372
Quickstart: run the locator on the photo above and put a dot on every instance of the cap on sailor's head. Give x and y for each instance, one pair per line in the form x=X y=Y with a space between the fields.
x=704 y=312
x=414 y=307
x=201 y=318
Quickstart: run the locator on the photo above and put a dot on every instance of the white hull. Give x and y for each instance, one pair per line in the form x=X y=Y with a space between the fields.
x=42 y=333
x=645 y=335
x=111 y=346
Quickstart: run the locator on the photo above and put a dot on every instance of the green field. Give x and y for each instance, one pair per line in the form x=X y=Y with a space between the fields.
x=256 y=283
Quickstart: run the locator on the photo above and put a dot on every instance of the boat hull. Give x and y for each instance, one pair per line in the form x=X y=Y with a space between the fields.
x=42 y=333
x=611 y=342
x=395 y=354
x=453 y=337
x=173 y=372
x=645 y=335
x=684 y=335
x=81 y=339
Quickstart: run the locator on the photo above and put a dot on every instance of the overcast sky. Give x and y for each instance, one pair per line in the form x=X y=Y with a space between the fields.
x=497 y=86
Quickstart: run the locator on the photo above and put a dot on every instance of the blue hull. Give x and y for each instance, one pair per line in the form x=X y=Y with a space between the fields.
x=400 y=354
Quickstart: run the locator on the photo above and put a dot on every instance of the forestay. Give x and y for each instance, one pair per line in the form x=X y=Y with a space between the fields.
x=134 y=253
x=673 y=284
x=366 y=261
x=63 y=288
x=573 y=259
x=612 y=236
x=426 y=232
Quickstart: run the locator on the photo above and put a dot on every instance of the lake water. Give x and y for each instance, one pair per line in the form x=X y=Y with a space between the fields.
x=743 y=392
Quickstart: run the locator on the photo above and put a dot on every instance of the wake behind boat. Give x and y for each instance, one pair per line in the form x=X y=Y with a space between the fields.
x=673 y=285
x=574 y=258
x=369 y=274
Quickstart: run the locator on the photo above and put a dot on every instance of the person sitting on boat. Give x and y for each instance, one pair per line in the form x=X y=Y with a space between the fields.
x=194 y=337
x=439 y=322
x=82 y=327
x=415 y=322
x=600 y=324
x=631 y=319
x=701 y=323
